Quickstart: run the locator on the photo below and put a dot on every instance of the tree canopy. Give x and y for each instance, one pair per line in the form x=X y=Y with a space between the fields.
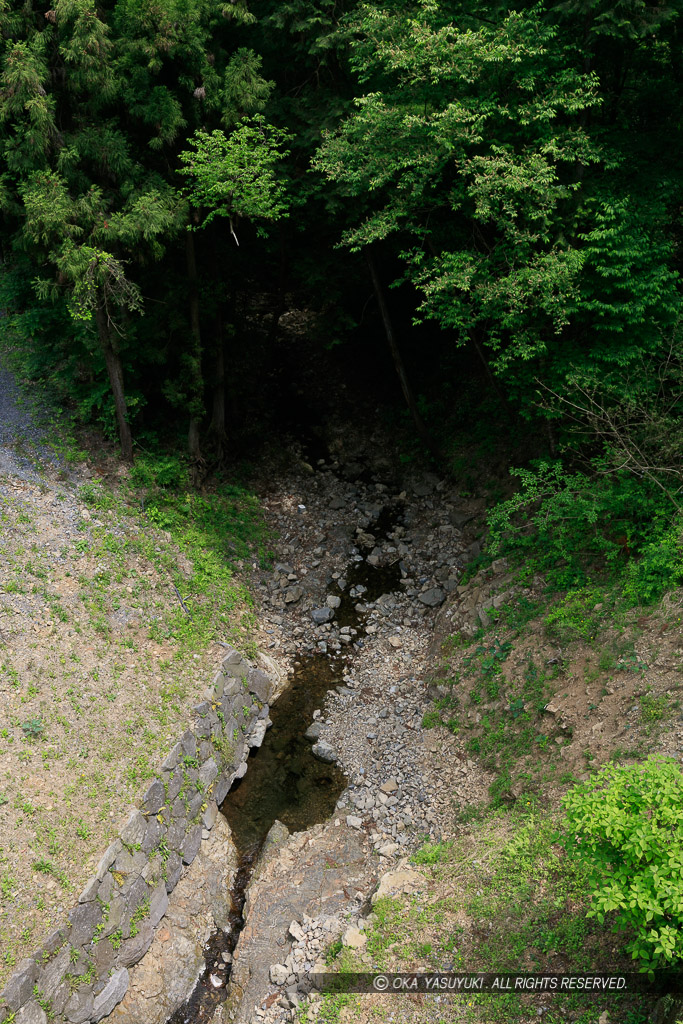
x=511 y=177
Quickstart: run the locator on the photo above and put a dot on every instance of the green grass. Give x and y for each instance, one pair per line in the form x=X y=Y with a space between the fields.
x=653 y=709
x=215 y=532
x=525 y=909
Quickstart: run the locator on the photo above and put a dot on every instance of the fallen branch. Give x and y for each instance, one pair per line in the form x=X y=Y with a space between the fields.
x=182 y=603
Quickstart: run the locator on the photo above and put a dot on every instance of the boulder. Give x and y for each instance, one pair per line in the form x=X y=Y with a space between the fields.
x=324 y=752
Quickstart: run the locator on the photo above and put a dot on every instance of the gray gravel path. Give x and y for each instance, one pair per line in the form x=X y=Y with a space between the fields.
x=23 y=451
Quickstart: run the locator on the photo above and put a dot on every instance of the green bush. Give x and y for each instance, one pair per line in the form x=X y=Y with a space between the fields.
x=576 y=616
x=584 y=532
x=627 y=821
x=159 y=471
x=659 y=568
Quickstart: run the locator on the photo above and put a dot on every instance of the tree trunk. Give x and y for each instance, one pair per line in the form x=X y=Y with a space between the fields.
x=115 y=372
x=195 y=361
x=193 y=445
x=217 y=425
x=420 y=426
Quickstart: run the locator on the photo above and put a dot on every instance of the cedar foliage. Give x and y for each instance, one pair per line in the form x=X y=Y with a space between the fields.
x=510 y=177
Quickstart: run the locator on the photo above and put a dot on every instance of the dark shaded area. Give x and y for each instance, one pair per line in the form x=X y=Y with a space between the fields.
x=284 y=781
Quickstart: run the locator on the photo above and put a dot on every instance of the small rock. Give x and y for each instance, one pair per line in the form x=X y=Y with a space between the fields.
x=278 y=974
x=324 y=752
x=389 y=849
x=354 y=938
x=432 y=598
x=322 y=615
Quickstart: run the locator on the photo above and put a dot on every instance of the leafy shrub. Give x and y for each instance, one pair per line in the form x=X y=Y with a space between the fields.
x=159 y=471
x=578 y=529
x=433 y=853
x=33 y=729
x=576 y=616
x=627 y=821
x=659 y=568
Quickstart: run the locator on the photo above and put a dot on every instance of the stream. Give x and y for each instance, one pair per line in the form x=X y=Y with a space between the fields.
x=284 y=781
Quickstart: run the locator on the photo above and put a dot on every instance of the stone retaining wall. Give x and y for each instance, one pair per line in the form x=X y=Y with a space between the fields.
x=81 y=972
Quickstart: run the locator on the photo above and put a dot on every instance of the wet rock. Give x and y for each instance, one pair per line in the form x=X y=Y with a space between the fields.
x=324 y=752
x=313 y=731
x=322 y=615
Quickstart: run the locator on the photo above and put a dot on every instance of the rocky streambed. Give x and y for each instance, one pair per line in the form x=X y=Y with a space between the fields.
x=366 y=557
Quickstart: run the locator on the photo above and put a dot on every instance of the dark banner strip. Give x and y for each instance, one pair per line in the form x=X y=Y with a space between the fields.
x=659 y=983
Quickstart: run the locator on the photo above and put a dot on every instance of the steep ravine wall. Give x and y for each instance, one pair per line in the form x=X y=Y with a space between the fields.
x=81 y=972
